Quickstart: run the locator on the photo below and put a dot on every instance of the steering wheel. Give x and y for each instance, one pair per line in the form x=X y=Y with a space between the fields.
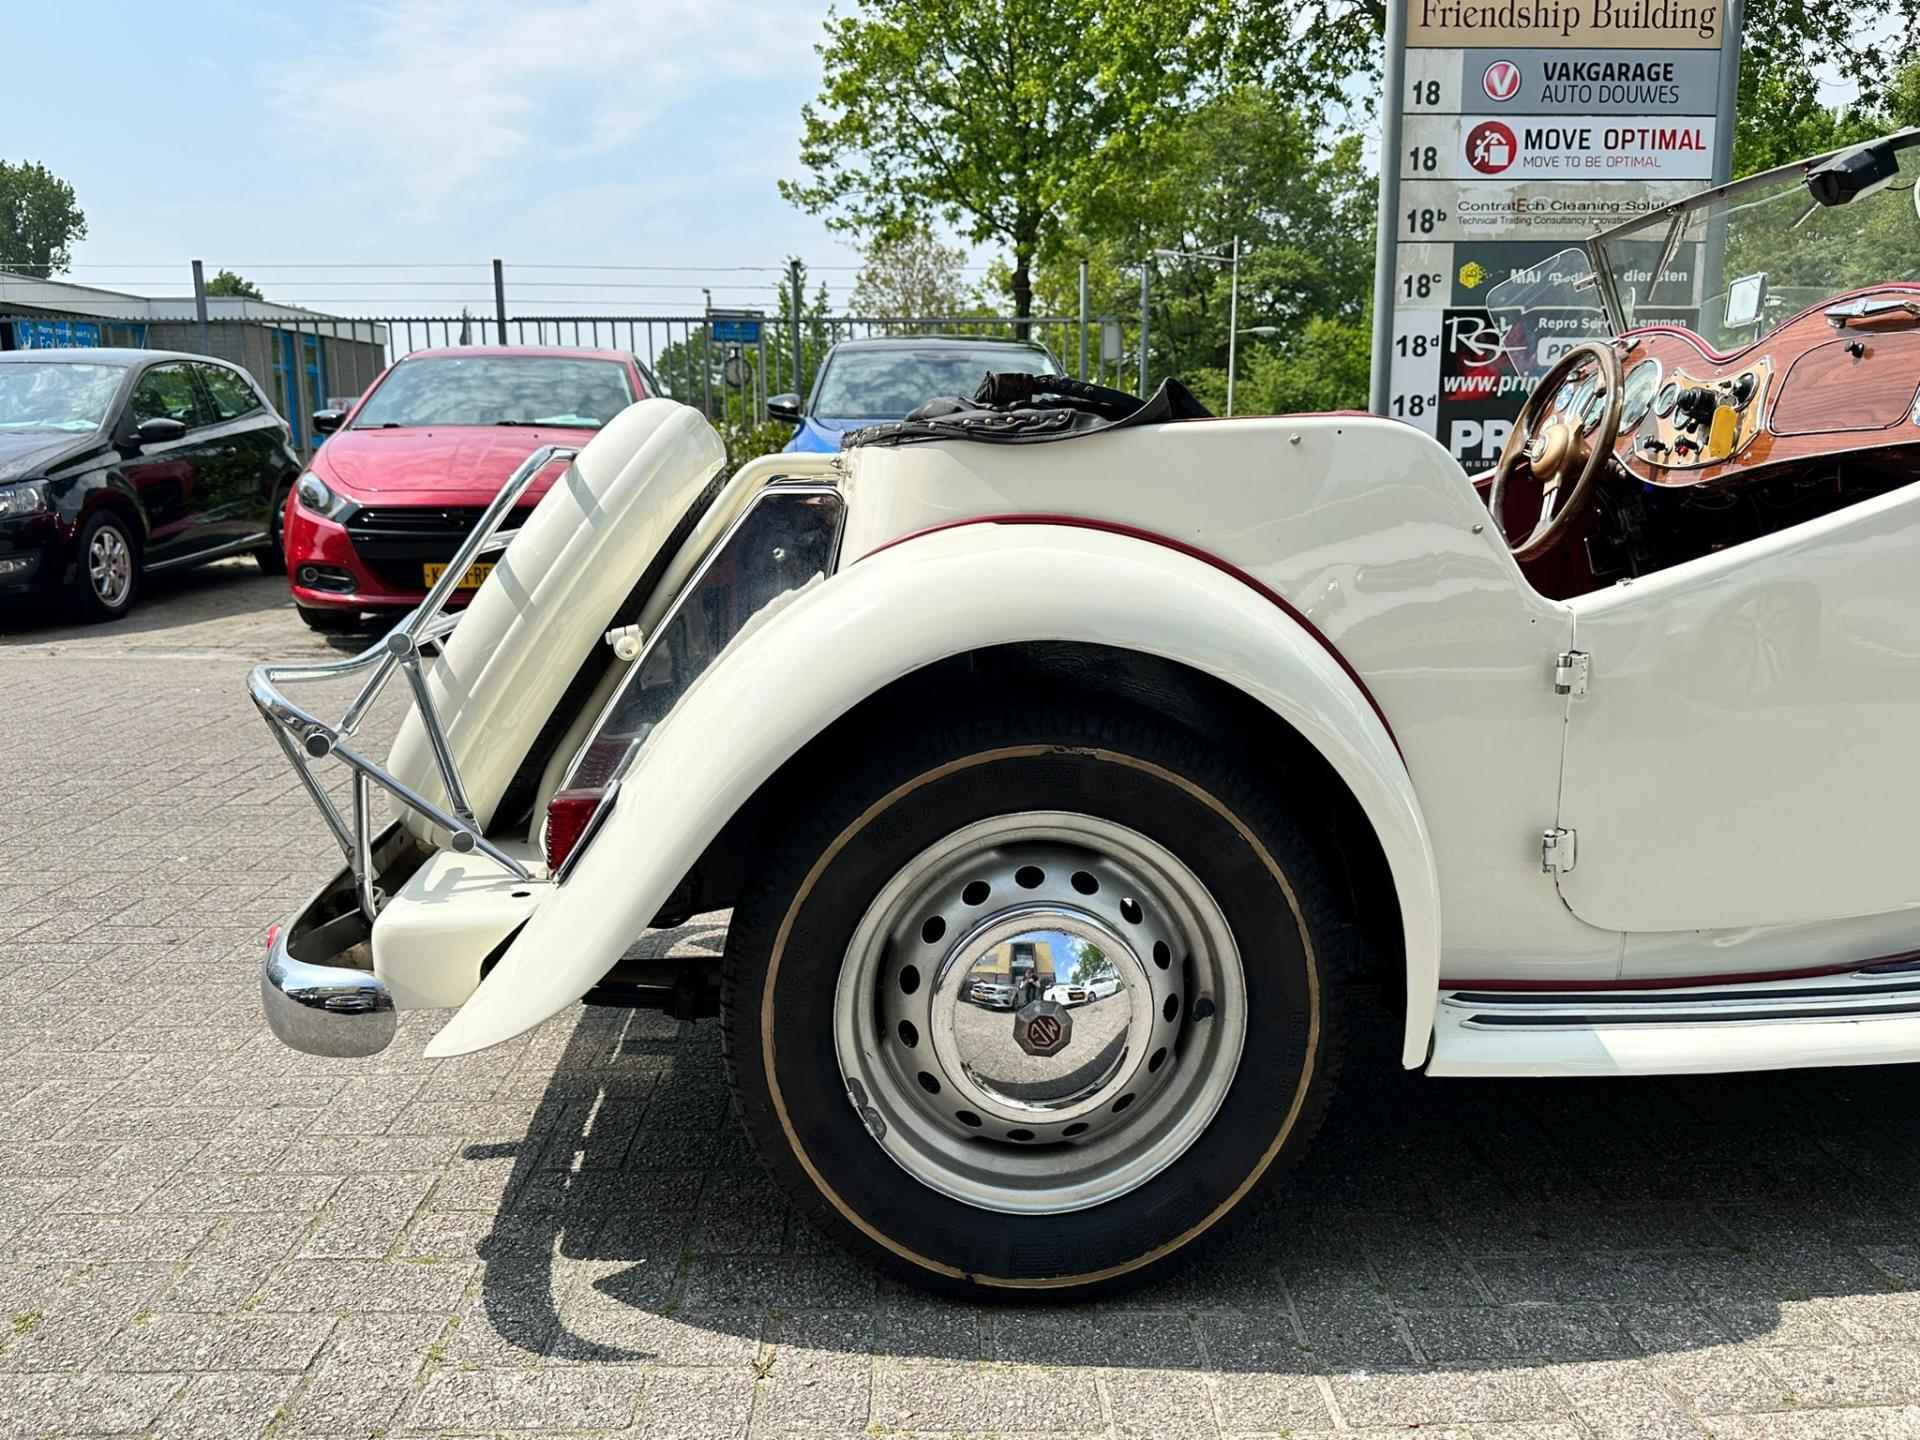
x=1561 y=448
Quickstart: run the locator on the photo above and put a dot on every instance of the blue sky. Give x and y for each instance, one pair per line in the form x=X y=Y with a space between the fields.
x=577 y=132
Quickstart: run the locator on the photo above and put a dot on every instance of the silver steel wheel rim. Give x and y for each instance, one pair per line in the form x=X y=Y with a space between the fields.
x=934 y=1065
x=110 y=566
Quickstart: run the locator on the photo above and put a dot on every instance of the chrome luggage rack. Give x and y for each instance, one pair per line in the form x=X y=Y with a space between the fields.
x=305 y=737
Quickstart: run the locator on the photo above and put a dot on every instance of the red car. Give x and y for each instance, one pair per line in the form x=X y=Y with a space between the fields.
x=407 y=471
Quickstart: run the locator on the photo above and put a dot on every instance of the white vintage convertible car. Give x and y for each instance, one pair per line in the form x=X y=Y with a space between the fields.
x=1602 y=771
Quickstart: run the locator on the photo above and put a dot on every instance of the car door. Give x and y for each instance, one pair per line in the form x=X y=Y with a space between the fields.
x=1745 y=751
x=242 y=465
x=166 y=476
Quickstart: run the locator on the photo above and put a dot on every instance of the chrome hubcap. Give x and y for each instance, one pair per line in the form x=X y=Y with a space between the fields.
x=110 y=566
x=1040 y=1013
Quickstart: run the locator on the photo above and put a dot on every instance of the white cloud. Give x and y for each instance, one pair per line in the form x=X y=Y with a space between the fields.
x=423 y=99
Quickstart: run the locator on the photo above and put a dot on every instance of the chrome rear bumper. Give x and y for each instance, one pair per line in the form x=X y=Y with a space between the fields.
x=317 y=984
x=332 y=1010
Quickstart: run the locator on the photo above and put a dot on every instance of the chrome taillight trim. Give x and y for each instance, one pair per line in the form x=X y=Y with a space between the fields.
x=305 y=737
x=773 y=492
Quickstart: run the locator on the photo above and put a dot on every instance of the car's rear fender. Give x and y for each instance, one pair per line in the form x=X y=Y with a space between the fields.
x=802 y=666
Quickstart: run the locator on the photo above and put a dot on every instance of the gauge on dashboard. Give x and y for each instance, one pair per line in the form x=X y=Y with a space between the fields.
x=1565 y=395
x=1595 y=412
x=1668 y=397
x=1584 y=390
x=1643 y=382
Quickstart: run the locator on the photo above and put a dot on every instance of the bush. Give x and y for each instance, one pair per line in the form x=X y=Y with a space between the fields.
x=749 y=440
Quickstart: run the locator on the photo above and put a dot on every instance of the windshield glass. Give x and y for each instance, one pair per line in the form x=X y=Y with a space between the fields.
x=498 y=390
x=1730 y=267
x=1537 y=314
x=53 y=395
x=1737 y=266
x=887 y=384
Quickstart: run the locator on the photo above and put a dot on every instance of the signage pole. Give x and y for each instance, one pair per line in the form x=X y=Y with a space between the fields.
x=793 y=270
x=1386 y=246
x=1735 y=22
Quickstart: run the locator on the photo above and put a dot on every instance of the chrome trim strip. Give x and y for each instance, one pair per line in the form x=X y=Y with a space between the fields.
x=1859 y=994
x=303 y=737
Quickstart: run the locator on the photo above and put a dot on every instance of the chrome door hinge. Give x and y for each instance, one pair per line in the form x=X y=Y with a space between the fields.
x=1571 y=669
x=1558 y=850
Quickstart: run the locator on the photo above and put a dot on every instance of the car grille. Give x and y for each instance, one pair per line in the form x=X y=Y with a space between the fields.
x=394 y=541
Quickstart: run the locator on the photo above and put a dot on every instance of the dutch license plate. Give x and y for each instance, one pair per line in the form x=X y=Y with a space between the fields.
x=469 y=581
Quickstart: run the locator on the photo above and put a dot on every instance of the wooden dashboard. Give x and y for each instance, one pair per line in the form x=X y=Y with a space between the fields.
x=1813 y=387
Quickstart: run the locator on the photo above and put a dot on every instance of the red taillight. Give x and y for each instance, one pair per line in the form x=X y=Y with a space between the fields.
x=567 y=818
x=273 y=934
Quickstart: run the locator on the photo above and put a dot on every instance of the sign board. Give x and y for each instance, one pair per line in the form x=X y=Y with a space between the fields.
x=54 y=334
x=1514 y=129
x=735 y=327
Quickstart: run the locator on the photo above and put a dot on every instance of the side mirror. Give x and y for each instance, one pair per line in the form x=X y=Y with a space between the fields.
x=159 y=430
x=325 y=422
x=784 y=408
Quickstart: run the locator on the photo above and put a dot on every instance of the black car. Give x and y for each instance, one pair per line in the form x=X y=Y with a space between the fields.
x=118 y=463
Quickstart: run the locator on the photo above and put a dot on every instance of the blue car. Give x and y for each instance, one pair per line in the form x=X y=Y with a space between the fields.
x=865 y=382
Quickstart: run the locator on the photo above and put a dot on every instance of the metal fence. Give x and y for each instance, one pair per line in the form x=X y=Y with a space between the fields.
x=727 y=363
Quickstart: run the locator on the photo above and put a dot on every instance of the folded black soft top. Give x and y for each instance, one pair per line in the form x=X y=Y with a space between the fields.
x=1018 y=409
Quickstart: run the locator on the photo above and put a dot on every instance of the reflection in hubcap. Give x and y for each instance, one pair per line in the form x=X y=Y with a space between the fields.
x=1067 y=1053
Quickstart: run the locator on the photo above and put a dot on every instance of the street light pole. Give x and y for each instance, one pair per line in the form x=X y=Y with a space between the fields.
x=1233 y=303
x=1145 y=266
x=1233 y=323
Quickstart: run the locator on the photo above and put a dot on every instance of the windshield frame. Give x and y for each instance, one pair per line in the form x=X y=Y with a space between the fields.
x=1640 y=228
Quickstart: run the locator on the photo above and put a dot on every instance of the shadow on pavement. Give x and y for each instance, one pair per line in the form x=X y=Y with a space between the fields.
x=1433 y=1225
x=224 y=590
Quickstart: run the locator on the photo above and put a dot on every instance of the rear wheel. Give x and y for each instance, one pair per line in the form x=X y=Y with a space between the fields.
x=106 y=576
x=1059 y=1149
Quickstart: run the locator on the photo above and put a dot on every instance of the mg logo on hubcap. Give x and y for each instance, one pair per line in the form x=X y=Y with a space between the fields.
x=1043 y=1028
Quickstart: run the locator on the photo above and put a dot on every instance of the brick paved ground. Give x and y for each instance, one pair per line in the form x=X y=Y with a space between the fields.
x=204 y=1234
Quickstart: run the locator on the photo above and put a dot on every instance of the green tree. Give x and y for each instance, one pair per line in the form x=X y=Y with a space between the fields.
x=40 y=220
x=913 y=273
x=1324 y=53
x=989 y=114
x=1244 y=164
x=226 y=283
x=1088 y=958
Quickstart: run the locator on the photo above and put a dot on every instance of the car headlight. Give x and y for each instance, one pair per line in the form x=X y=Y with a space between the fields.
x=317 y=497
x=29 y=497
